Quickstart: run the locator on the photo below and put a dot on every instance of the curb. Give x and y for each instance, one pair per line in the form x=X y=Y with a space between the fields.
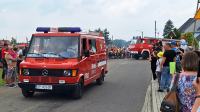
x=153 y=98
x=147 y=107
x=154 y=104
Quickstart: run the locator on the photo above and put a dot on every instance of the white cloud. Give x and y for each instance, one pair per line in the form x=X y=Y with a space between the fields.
x=121 y=7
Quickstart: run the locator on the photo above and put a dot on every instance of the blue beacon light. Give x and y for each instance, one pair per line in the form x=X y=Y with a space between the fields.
x=60 y=29
x=43 y=29
x=69 y=29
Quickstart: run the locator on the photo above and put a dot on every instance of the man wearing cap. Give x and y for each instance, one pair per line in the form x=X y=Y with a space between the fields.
x=178 y=53
x=168 y=56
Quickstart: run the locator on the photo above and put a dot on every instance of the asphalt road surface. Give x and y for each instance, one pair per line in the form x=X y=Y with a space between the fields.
x=123 y=91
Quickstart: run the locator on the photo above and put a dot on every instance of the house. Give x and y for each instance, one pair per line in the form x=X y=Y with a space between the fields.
x=188 y=26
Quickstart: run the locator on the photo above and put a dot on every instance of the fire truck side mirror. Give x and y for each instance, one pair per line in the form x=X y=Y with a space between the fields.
x=87 y=53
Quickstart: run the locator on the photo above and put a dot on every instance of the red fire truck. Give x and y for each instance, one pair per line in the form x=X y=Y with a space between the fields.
x=63 y=59
x=142 y=48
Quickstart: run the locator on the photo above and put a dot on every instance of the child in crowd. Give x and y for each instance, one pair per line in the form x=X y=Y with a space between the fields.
x=158 y=70
x=153 y=60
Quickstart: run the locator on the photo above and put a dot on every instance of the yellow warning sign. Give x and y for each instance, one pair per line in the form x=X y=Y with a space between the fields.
x=197 y=15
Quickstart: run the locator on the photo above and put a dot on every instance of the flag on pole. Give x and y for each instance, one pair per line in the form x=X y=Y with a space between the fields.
x=197 y=15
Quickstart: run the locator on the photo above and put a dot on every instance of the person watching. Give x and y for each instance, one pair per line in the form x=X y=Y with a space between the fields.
x=3 y=60
x=196 y=106
x=168 y=56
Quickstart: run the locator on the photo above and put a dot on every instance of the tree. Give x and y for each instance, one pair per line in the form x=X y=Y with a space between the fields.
x=120 y=43
x=168 y=28
x=177 y=34
x=106 y=34
x=13 y=41
x=98 y=30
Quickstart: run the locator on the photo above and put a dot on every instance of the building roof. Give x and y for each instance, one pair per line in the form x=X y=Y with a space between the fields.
x=186 y=25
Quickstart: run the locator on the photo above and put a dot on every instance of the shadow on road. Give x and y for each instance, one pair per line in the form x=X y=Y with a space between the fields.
x=64 y=95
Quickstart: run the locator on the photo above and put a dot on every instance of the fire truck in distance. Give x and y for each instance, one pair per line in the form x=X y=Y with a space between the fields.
x=142 y=48
x=63 y=59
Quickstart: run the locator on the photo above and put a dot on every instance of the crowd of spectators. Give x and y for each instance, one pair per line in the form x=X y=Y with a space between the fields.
x=11 y=56
x=169 y=60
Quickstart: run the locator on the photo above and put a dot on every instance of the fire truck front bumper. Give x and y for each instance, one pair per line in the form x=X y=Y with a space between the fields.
x=47 y=87
x=134 y=52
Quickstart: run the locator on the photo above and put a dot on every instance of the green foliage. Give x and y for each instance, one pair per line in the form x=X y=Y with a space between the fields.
x=119 y=43
x=106 y=34
x=191 y=40
x=168 y=28
x=177 y=34
x=13 y=41
x=1 y=81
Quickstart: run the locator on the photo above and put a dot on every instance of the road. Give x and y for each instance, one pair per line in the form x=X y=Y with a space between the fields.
x=123 y=91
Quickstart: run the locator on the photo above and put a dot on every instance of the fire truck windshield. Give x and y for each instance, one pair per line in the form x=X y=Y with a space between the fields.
x=144 y=41
x=139 y=41
x=54 y=47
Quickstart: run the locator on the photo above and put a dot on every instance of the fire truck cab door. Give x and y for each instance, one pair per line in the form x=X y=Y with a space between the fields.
x=93 y=57
x=90 y=63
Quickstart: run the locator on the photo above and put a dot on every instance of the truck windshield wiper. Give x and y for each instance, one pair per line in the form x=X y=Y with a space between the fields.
x=55 y=54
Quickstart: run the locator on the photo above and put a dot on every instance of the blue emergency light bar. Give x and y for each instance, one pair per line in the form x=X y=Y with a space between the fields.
x=69 y=29
x=60 y=29
x=43 y=29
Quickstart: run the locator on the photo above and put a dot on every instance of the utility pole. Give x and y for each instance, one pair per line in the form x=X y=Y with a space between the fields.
x=112 y=41
x=155 y=29
x=142 y=34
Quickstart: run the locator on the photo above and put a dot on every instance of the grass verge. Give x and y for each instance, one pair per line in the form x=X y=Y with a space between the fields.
x=1 y=81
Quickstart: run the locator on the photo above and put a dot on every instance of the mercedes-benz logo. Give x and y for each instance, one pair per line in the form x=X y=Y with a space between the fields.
x=45 y=72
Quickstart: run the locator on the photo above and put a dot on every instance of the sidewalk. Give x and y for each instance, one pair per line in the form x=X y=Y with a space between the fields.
x=153 y=98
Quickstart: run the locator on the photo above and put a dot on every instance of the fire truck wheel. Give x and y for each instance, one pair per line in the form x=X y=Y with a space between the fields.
x=145 y=55
x=136 y=56
x=100 y=80
x=78 y=91
x=27 y=93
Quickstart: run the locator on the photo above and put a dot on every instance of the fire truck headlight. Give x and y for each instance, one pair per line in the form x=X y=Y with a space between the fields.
x=70 y=73
x=67 y=73
x=25 y=72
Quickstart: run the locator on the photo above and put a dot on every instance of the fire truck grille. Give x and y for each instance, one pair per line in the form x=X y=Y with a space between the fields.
x=46 y=72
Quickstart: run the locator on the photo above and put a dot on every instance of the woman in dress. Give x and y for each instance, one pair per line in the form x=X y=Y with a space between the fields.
x=186 y=90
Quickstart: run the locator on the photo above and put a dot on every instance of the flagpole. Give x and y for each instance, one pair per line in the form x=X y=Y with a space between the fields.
x=195 y=22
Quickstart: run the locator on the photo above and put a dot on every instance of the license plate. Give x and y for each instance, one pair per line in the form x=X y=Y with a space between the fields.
x=44 y=87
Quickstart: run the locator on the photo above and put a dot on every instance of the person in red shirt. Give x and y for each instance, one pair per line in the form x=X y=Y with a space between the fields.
x=5 y=66
x=11 y=59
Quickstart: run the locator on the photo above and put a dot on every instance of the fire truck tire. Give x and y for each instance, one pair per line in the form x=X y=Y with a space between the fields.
x=136 y=56
x=78 y=91
x=100 y=80
x=145 y=55
x=27 y=93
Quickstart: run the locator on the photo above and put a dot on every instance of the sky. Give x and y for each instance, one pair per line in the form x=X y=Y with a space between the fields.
x=123 y=18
